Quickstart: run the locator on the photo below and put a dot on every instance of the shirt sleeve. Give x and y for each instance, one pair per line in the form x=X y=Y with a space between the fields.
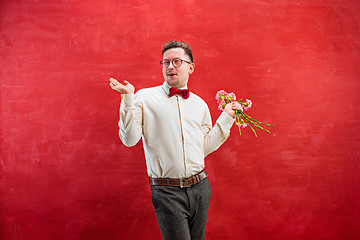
x=130 y=123
x=215 y=136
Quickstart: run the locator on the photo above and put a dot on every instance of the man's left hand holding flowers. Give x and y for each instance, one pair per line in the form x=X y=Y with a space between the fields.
x=231 y=107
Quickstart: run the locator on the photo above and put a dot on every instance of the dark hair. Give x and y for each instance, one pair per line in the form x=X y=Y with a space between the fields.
x=177 y=44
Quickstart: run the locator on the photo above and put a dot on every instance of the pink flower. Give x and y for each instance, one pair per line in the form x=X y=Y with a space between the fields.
x=243 y=124
x=242 y=120
x=220 y=96
x=231 y=97
x=247 y=104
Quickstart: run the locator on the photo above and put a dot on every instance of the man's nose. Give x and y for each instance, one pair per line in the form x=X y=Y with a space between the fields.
x=171 y=65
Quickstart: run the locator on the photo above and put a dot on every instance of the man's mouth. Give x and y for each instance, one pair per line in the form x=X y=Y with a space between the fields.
x=171 y=74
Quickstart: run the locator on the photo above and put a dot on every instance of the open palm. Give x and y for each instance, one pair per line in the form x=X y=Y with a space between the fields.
x=125 y=88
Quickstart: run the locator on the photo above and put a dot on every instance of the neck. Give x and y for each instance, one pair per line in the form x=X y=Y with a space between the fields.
x=177 y=87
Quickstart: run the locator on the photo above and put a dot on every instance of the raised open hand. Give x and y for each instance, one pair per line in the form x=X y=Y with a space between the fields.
x=125 y=88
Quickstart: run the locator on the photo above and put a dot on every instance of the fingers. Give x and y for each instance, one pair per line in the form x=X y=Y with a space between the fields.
x=114 y=82
x=112 y=86
x=123 y=88
x=116 y=85
x=236 y=106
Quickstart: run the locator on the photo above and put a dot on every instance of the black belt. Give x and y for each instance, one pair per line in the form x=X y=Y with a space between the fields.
x=179 y=182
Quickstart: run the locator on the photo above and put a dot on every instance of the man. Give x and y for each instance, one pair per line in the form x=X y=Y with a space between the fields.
x=177 y=135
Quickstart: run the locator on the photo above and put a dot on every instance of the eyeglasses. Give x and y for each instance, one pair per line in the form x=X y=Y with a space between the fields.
x=176 y=62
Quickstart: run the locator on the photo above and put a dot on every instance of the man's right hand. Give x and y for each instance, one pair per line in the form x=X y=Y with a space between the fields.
x=125 y=88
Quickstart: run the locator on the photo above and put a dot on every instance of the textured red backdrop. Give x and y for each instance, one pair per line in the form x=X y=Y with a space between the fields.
x=66 y=175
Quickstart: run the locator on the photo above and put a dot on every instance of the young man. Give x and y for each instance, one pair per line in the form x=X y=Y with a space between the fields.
x=177 y=134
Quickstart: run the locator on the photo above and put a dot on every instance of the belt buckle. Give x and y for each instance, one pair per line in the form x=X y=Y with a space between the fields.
x=181 y=183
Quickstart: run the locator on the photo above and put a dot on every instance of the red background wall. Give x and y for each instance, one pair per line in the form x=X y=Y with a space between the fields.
x=66 y=175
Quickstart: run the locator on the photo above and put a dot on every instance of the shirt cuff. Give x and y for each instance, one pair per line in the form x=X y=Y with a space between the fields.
x=127 y=100
x=225 y=120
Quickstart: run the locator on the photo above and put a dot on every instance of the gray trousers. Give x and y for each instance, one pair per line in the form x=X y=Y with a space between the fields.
x=182 y=212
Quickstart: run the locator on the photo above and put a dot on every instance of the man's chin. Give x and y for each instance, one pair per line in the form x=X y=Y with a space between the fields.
x=172 y=82
x=175 y=83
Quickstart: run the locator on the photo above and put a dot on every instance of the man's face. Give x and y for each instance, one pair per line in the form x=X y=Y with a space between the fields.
x=177 y=77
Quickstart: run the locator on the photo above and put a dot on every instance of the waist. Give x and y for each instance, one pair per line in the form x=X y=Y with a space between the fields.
x=179 y=182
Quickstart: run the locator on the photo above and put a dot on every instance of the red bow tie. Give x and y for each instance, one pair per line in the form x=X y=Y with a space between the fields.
x=182 y=92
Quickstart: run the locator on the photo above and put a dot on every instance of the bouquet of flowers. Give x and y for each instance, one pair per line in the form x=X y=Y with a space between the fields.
x=242 y=119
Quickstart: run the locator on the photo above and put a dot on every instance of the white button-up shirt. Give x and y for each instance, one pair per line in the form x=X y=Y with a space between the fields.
x=177 y=133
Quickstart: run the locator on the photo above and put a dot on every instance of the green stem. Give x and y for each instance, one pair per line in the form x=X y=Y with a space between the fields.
x=238 y=123
x=267 y=124
x=251 y=127
x=252 y=121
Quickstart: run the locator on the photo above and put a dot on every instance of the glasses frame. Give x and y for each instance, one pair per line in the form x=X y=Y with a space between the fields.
x=172 y=62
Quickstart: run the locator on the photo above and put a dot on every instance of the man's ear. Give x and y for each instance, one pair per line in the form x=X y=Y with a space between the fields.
x=192 y=68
